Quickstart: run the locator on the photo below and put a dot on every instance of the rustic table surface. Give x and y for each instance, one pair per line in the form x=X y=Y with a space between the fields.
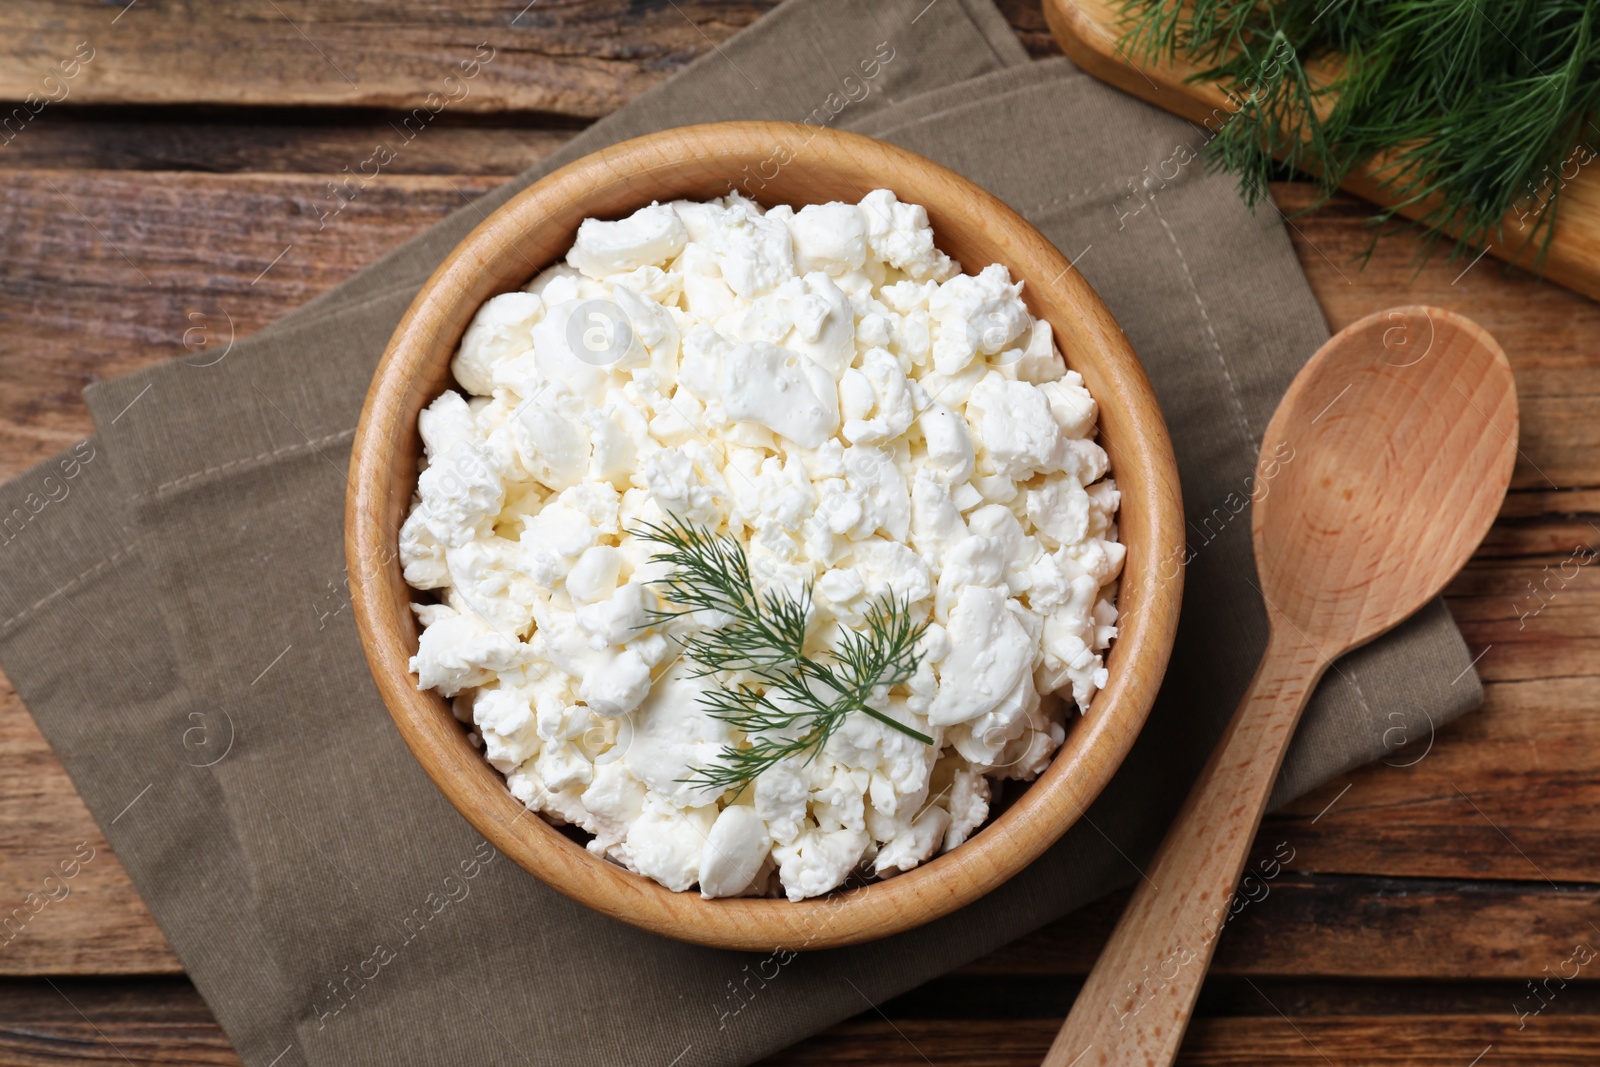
x=1433 y=900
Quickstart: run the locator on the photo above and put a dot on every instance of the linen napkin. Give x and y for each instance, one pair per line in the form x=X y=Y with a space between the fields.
x=178 y=623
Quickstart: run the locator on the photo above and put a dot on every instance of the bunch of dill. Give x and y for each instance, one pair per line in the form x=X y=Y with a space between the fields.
x=791 y=700
x=1475 y=113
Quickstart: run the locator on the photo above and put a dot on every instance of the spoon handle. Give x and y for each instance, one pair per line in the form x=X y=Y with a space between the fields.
x=1137 y=1001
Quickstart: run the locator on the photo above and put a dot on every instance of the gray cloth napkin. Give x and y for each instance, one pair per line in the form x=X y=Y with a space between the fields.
x=175 y=613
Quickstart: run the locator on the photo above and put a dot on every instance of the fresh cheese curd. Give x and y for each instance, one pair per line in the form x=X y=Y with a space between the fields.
x=827 y=387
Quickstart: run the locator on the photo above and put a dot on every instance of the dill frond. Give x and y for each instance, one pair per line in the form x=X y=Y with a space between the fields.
x=1477 y=113
x=794 y=700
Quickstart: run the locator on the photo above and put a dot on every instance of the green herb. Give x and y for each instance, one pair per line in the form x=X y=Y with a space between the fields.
x=1472 y=110
x=793 y=701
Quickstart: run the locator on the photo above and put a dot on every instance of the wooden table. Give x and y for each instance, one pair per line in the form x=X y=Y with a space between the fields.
x=1424 y=898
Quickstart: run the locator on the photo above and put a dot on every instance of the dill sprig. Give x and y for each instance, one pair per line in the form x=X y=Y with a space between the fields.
x=1472 y=112
x=790 y=701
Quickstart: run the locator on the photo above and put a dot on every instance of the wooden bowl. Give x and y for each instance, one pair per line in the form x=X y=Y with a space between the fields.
x=775 y=163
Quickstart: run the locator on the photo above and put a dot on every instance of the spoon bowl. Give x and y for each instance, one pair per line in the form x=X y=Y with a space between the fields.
x=1403 y=434
x=1380 y=472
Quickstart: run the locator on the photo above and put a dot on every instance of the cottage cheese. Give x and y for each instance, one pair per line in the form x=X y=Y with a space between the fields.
x=826 y=386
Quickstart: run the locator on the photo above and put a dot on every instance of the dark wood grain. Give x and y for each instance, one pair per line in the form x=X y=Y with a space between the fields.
x=274 y=140
x=1506 y=793
x=139 y=264
x=1027 y=21
x=1417 y=1041
x=102 y=926
x=1351 y=926
x=568 y=57
x=557 y=57
x=65 y=1023
x=138 y=1021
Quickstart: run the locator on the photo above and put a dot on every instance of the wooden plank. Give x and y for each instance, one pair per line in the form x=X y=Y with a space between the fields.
x=104 y=273
x=297 y=140
x=1532 y=503
x=93 y=922
x=1506 y=793
x=1348 y=927
x=569 y=57
x=1088 y=31
x=565 y=57
x=147 y=1021
x=1402 y=1041
x=1043 y=996
x=1537 y=616
x=279 y=141
x=82 y=1023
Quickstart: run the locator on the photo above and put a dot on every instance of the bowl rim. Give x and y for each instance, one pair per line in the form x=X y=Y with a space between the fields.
x=385 y=446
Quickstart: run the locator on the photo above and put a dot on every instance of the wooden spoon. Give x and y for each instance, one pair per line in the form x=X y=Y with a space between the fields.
x=1380 y=472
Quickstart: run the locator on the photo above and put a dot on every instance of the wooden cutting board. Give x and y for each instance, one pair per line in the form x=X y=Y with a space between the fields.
x=1089 y=30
